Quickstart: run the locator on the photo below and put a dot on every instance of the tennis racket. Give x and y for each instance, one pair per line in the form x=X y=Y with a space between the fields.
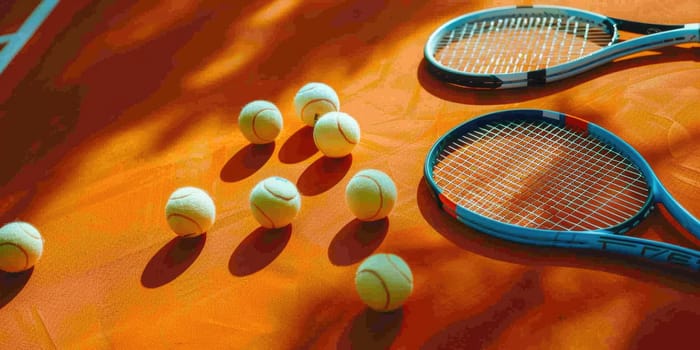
x=518 y=46
x=545 y=178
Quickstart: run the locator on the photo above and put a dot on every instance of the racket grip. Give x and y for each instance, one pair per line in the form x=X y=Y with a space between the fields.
x=659 y=252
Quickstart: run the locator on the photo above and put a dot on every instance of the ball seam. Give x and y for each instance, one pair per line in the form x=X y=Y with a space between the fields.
x=388 y=258
x=252 y=123
x=381 y=280
x=303 y=108
x=180 y=196
x=306 y=89
x=28 y=233
x=340 y=129
x=187 y=218
x=381 y=195
x=26 y=255
x=265 y=215
x=277 y=195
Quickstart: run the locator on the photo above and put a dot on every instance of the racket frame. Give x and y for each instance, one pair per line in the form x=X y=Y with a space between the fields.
x=610 y=239
x=657 y=36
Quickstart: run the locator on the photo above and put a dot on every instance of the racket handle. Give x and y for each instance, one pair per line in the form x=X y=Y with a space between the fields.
x=643 y=28
x=658 y=252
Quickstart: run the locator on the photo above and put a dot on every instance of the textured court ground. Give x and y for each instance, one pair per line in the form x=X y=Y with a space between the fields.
x=110 y=106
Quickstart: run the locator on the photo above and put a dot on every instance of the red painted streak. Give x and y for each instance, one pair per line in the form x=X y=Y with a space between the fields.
x=576 y=123
x=449 y=206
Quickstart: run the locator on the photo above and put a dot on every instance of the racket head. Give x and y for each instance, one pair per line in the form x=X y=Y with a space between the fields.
x=513 y=46
x=538 y=176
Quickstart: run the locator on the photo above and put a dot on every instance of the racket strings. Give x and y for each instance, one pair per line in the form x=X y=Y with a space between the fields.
x=519 y=43
x=571 y=168
x=493 y=199
x=540 y=175
x=550 y=193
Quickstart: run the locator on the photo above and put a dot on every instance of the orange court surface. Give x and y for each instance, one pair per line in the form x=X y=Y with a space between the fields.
x=112 y=105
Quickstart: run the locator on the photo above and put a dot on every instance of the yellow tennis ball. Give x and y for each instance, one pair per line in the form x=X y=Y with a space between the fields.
x=336 y=134
x=275 y=202
x=370 y=195
x=260 y=122
x=314 y=100
x=384 y=282
x=190 y=211
x=21 y=246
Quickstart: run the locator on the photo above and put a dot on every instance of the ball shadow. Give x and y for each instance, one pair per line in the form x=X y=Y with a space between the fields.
x=492 y=247
x=323 y=174
x=172 y=260
x=356 y=241
x=246 y=162
x=11 y=284
x=299 y=146
x=258 y=250
x=371 y=330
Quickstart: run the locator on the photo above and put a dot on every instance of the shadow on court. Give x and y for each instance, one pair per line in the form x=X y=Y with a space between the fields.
x=323 y=174
x=371 y=330
x=246 y=162
x=669 y=327
x=11 y=284
x=172 y=260
x=479 y=330
x=258 y=249
x=356 y=241
x=298 y=147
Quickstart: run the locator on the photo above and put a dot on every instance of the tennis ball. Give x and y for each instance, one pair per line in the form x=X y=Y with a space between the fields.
x=370 y=195
x=260 y=122
x=190 y=211
x=336 y=134
x=314 y=100
x=21 y=246
x=384 y=282
x=275 y=202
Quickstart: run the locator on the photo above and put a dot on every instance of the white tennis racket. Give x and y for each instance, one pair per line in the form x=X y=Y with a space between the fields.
x=520 y=46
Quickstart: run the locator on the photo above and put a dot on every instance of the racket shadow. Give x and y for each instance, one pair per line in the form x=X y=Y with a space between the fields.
x=528 y=255
x=454 y=93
